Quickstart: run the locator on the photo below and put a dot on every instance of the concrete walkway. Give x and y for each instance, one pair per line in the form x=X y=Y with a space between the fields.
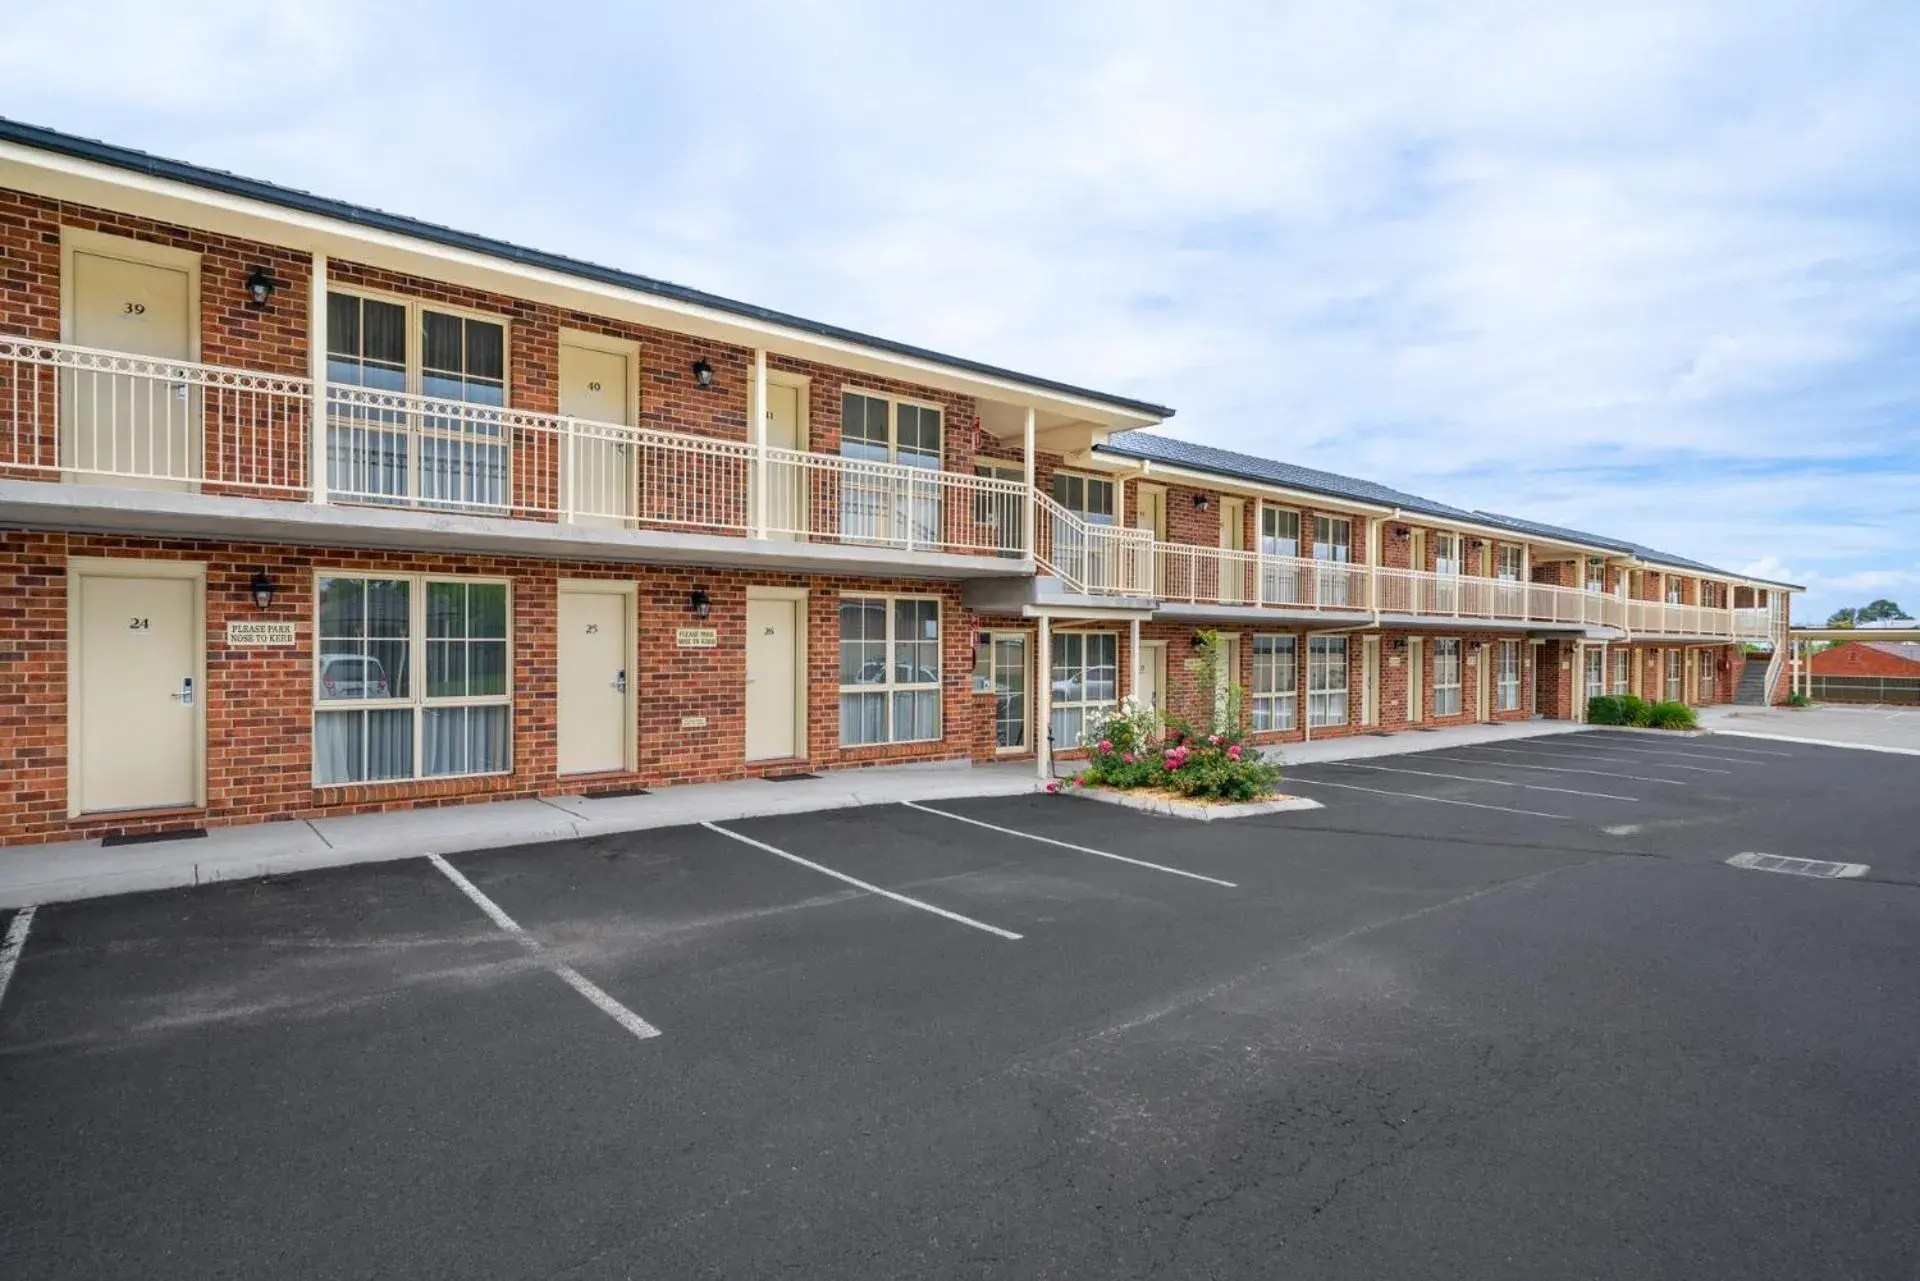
x=1865 y=728
x=66 y=870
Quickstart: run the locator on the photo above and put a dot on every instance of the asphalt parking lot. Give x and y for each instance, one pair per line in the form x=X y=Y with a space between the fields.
x=1497 y=1011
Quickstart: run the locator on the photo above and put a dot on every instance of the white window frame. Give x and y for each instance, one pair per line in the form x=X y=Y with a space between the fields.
x=1323 y=692
x=1593 y=673
x=1281 y=515
x=894 y=401
x=1597 y=582
x=1084 y=705
x=1621 y=665
x=1676 y=686
x=1279 y=696
x=890 y=686
x=1448 y=666
x=417 y=700
x=1109 y=517
x=1500 y=562
x=1507 y=677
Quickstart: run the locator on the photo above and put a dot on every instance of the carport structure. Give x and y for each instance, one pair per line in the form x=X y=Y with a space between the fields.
x=1803 y=639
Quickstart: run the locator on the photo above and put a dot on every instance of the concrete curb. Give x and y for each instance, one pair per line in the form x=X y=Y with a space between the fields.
x=1817 y=742
x=1186 y=809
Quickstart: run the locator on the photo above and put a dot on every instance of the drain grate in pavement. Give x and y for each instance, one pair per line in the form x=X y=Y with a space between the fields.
x=786 y=778
x=1814 y=867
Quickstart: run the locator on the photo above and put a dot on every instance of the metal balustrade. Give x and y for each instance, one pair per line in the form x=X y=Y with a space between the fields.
x=1096 y=559
x=78 y=413
x=142 y=421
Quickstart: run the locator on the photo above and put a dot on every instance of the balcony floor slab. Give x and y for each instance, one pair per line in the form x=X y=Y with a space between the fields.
x=26 y=504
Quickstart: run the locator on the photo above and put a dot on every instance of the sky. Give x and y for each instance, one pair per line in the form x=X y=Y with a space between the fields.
x=1646 y=269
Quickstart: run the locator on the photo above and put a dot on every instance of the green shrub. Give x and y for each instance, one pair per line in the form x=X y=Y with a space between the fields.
x=1797 y=699
x=1671 y=716
x=1635 y=711
x=1606 y=709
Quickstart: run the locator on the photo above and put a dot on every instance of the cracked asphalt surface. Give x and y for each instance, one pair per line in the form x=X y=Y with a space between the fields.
x=1418 y=1038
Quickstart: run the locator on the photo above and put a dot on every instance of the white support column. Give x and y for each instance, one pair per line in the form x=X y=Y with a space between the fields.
x=1031 y=506
x=1043 y=683
x=317 y=373
x=757 y=433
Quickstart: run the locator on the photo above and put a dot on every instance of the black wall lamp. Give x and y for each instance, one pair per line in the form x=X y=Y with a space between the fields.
x=1201 y=502
x=1199 y=640
x=262 y=588
x=261 y=286
x=1401 y=533
x=700 y=603
x=703 y=373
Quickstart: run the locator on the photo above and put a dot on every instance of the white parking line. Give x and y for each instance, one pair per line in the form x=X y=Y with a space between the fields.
x=867 y=886
x=1437 y=800
x=1490 y=782
x=1823 y=742
x=1602 y=755
x=1615 y=745
x=1068 y=845
x=1639 y=743
x=573 y=978
x=16 y=942
x=1551 y=769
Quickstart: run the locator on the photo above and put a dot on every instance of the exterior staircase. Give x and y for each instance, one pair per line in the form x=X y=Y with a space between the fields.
x=1752 y=690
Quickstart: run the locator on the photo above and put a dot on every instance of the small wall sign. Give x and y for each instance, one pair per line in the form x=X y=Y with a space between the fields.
x=259 y=631
x=693 y=722
x=696 y=637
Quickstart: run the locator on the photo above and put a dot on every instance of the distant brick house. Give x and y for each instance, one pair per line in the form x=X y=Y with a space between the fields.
x=1870 y=658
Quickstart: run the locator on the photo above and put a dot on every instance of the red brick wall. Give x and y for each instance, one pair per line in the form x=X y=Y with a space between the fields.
x=1856 y=658
x=258 y=701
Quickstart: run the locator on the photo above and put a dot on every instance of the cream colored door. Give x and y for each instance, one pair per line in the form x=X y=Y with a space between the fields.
x=1483 y=684
x=142 y=430
x=597 y=468
x=787 y=512
x=1153 y=678
x=1416 y=682
x=1225 y=679
x=591 y=680
x=1370 y=680
x=773 y=675
x=1150 y=514
x=137 y=693
x=1234 y=574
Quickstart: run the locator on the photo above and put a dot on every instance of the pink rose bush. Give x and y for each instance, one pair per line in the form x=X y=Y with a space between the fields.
x=1133 y=748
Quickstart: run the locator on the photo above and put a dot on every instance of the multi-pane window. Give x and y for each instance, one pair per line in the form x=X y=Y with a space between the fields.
x=1597 y=576
x=1280 y=538
x=1594 y=671
x=1078 y=555
x=1446 y=567
x=1506 y=562
x=1085 y=674
x=1276 y=682
x=451 y=450
x=1088 y=497
x=1676 y=680
x=1622 y=669
x=374 y=718
x=877 y=505
x=1333 y=542
x=1506 y=686
x=1446 y=677
x=1676 y=590
x=889 y=670
x=1326 y=680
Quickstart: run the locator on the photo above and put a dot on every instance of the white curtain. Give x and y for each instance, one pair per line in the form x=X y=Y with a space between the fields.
x=464 y=740
x=363 y=746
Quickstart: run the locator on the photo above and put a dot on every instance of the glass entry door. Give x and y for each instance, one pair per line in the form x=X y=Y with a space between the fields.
x=1010 y=684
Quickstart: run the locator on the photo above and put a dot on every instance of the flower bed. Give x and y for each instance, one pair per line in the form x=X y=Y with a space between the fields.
x=1132 y=751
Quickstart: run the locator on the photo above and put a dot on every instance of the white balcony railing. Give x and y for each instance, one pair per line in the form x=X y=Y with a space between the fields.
x=1218 y=575
x=147 y=422
x=1097 y=559
x=71 y=412
x=1658 y=618
x=824 y=498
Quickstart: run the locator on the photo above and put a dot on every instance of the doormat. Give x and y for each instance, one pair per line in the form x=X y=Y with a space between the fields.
x=148 y=838
x=609 y=793
x=786 y=778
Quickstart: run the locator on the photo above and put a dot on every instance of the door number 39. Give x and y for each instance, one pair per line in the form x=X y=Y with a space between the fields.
x=135 y=309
